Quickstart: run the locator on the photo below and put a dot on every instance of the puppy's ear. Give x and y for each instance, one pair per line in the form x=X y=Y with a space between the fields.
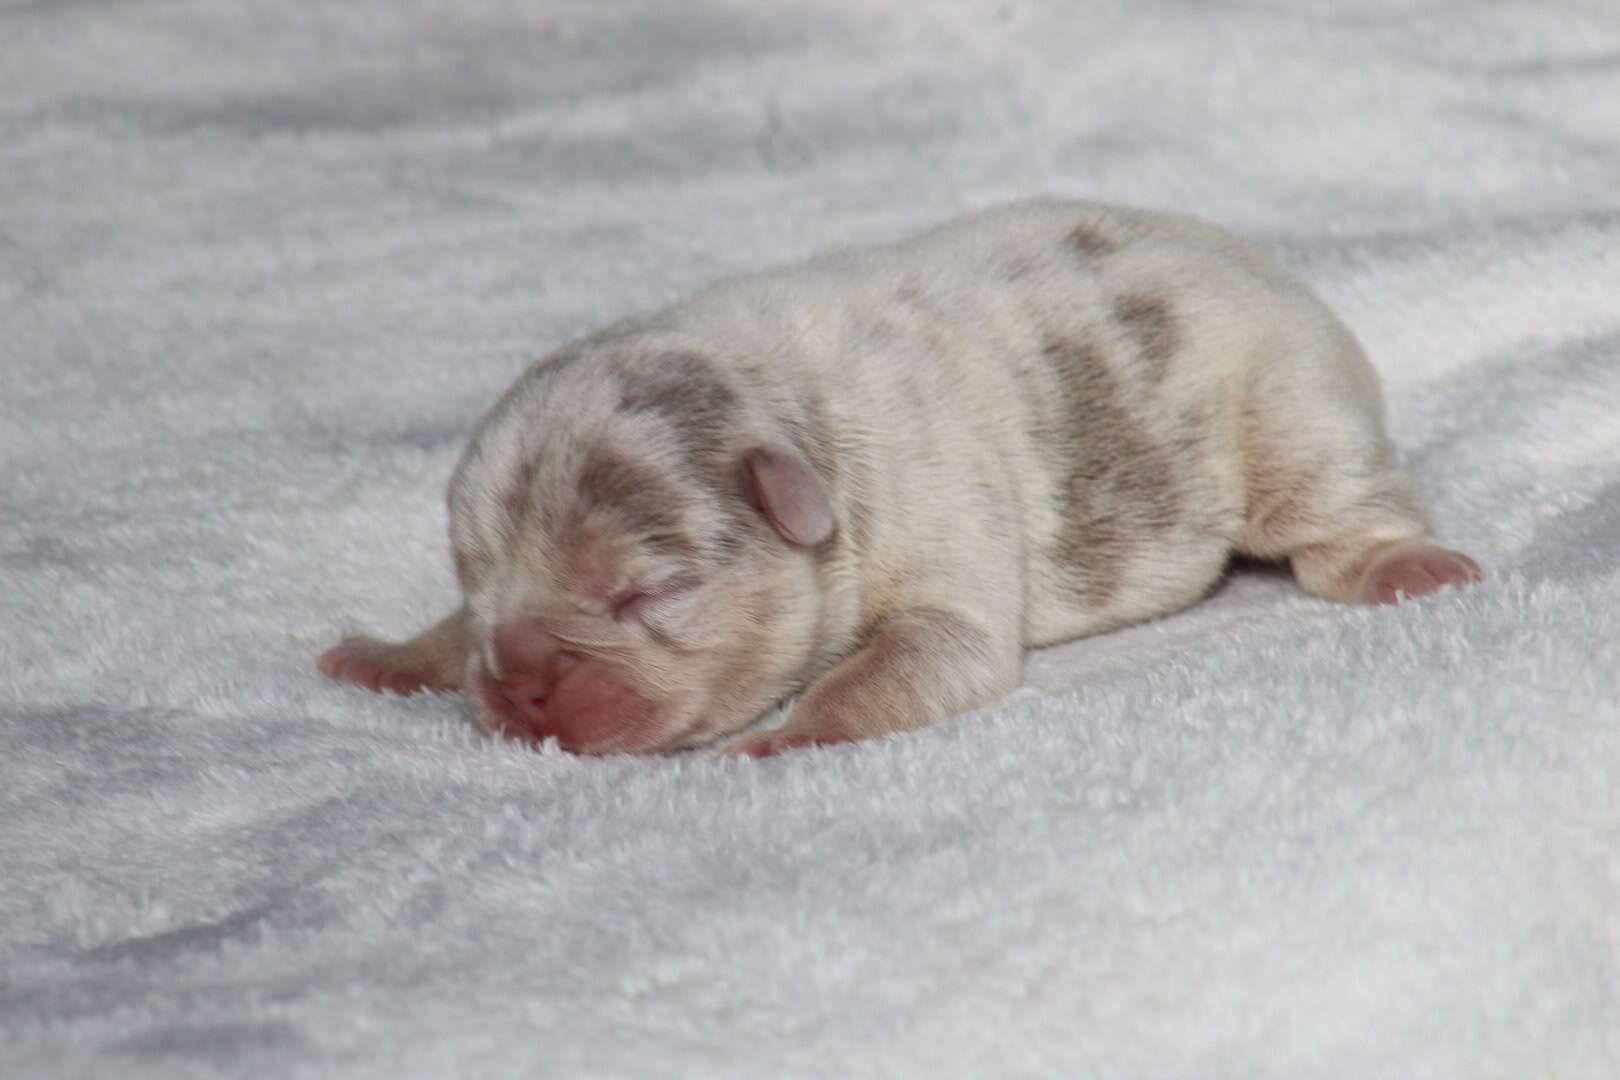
x=784 y=488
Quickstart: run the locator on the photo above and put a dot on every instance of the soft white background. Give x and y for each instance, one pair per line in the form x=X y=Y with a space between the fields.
x=262 y=266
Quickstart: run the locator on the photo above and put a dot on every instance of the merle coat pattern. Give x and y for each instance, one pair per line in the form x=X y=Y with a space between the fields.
x=870 y=481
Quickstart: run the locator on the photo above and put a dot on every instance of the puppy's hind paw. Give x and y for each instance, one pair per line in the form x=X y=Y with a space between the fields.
x=1414 y=568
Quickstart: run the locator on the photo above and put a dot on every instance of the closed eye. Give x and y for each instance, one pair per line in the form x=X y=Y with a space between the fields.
x=630 y=605
x=637 y=602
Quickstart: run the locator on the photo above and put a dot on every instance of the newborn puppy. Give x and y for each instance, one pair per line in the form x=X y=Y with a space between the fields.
x=874 y=479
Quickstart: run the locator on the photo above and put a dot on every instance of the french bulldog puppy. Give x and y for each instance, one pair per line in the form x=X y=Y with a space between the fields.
x=870 y=481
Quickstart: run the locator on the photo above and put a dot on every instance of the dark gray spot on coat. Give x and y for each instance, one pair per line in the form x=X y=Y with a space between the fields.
x=1152 y=325
x=1090 y=242
x=683 y=384
x=646 y=502
x=702 y=409
x=1117 y=484
x=689 y=393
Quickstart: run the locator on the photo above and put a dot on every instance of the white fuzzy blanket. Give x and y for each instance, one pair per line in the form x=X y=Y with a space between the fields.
x=262 y=266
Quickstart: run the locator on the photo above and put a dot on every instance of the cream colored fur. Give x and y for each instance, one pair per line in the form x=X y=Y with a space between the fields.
x=1029 y=425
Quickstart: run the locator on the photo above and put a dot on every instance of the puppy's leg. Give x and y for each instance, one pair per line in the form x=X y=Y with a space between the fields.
x=918 y=665
x=1383 y=574
x=1324 y=492
x=433 y=660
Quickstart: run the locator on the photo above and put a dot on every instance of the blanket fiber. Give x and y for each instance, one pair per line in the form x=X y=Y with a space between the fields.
x=263 y=266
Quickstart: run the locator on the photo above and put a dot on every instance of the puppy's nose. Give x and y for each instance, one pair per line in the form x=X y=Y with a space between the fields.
x=530 y=662
x=522 y=649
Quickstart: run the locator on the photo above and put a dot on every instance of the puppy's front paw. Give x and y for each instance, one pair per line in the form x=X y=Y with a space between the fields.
x=432 y=660
x=377 y=665
x=791 y=737
x=919 y=665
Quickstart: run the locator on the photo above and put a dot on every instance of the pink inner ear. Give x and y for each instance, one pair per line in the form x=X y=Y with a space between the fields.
x=790 y=494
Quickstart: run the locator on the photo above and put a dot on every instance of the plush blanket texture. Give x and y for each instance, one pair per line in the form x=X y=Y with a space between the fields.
x=262 y=267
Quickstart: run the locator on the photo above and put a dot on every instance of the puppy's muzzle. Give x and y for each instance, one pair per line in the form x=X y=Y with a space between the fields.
x=541 y=690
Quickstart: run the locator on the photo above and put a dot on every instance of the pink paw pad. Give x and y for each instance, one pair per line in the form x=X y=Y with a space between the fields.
x=1415 y=568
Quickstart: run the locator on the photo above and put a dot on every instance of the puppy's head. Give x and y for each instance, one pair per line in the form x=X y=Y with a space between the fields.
x=644 y=547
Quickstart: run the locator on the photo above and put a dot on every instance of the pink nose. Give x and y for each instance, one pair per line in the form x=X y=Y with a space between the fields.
x=531 y=663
